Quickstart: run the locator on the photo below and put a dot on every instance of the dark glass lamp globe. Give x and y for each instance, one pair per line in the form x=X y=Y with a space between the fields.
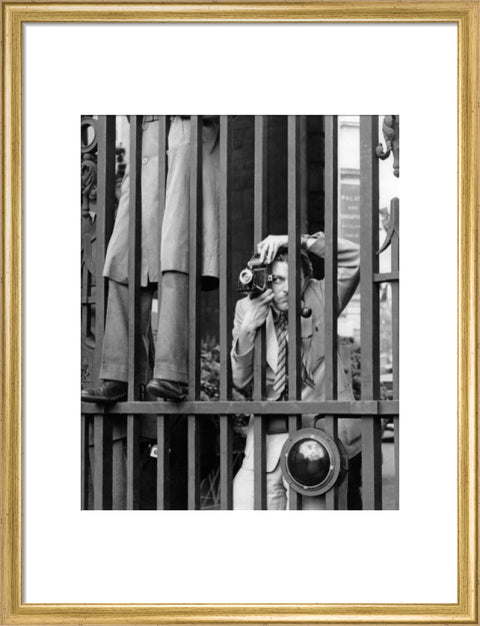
x=309 y=462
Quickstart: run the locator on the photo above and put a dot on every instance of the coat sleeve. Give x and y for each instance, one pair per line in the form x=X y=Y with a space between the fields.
x=348 y=265
x=242 y=364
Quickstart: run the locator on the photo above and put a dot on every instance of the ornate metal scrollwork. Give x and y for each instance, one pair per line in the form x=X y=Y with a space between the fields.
x=390 y=130
x=89 y=183
x=89 y=163
x=88 y=169
x=89 y=145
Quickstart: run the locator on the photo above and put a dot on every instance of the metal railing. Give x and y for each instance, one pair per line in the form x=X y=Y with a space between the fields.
x=98 y=423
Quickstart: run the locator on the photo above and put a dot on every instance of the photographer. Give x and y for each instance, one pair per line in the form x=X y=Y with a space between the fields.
x=271 y=309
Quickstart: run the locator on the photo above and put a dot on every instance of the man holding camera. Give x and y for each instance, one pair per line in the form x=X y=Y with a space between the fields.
x=270 y=309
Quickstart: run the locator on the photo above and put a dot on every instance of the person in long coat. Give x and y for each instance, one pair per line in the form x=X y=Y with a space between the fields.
x=170 y=374
x=267 y=310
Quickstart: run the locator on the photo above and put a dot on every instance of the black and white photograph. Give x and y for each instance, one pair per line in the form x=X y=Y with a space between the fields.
x=233 y=235
x=240 y=312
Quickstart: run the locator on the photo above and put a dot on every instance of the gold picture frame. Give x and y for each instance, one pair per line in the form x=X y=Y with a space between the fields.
x=463 y=13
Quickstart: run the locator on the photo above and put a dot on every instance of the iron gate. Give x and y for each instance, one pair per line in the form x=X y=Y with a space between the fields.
x=99 y=423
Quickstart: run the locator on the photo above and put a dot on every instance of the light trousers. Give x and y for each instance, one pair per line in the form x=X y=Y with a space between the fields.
x=171 y=348
x=277 y=492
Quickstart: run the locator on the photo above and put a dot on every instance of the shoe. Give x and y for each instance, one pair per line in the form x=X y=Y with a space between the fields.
x=167 y=389
x=108 y=392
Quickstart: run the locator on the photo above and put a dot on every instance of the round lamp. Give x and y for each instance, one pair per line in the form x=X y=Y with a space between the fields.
x=312 y=461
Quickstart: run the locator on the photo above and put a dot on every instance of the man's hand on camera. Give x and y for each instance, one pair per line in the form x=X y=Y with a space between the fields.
x=255 y=314
x=268 y=247
x=256 y=311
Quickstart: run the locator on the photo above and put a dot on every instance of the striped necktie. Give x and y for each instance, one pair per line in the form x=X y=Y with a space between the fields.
x=281 y=328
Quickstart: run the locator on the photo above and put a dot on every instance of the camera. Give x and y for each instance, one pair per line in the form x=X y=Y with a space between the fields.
x=255 y=278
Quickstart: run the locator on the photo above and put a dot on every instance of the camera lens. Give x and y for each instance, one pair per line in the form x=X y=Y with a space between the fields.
x=245 y=276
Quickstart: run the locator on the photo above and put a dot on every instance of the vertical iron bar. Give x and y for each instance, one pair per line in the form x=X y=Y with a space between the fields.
x=331 y=296
x=134 y=336
x=195 y=246
x=341 y=494
x=134 y=253
x=259 y=366
x=133 y=462
x=303 y=133
x=260 y=463
x=162 y=177
x=105 y=217
x=370 y=375
x=226 y=463
x=294 y=274
x=332 y=500
x=226 y=309
x=396 y=452
x=259 y=233
x=331 y=237
x=371 y=464
x=294 y=498
x=163 y=427
x=193 y=462
x=103 y=463
x=395 y=215
x=163 y=463
x=294 y=265
x=225 y=264
x=85 y=467
x=104 y=227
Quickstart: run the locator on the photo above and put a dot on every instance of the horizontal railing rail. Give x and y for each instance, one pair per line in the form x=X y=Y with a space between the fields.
x=356 y=408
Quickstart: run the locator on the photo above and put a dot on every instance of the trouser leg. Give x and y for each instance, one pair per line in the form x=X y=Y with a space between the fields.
x=171 y=352
x=243 y=490
x=277 y=490
x=114 y=364
x=243 y=486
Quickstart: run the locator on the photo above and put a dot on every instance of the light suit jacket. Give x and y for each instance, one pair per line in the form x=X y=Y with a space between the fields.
x=175 y=226
x=312 y=352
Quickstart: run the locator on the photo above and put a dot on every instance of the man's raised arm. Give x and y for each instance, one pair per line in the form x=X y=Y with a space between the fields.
x=348 y=260
x=348 y=264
